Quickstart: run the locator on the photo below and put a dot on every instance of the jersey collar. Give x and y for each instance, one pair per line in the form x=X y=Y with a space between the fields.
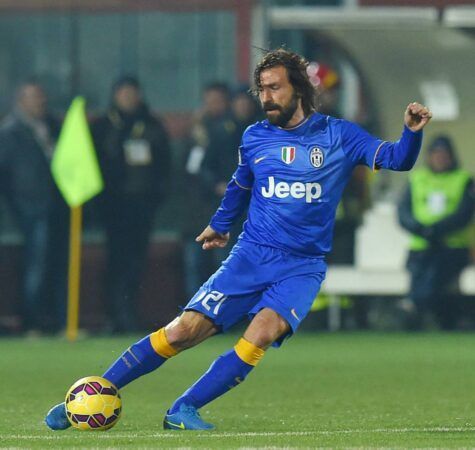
x=299 y=127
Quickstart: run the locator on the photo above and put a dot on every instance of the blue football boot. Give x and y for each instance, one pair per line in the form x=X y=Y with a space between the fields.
x=187 y=418
x=56 y=418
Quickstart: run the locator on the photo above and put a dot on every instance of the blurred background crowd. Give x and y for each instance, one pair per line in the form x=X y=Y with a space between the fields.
x=167 y=89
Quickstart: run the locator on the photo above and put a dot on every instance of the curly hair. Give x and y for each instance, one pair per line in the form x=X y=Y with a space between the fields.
x=296 y=66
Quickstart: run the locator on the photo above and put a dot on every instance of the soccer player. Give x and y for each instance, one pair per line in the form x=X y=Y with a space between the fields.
x=292 y=169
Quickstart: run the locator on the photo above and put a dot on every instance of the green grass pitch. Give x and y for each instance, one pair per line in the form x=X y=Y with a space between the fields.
x=319 y=390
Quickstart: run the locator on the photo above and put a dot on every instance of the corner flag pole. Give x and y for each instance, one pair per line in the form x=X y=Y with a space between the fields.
x=74 y=273
x=76 y=170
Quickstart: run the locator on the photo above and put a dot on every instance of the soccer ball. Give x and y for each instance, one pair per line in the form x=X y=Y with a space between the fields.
x=93 y=403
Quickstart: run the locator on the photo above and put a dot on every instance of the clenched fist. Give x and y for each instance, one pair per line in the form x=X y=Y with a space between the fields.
x=417 y=116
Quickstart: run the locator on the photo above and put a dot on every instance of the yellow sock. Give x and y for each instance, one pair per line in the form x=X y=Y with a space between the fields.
x=160 y=344
x=248 y=352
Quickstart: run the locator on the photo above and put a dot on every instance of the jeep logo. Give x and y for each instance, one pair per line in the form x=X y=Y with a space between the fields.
x=309 y=191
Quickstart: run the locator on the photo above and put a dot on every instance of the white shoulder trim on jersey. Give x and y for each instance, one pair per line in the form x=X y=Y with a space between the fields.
x=375 y=169
x=242 y=187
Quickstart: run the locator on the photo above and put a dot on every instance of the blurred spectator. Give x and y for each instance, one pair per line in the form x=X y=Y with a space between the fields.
x=134 y=155
x=437 y=208
x=327 y=83
x=27 y=141
x=355 y=199
x=245 y=110
x=210 y=163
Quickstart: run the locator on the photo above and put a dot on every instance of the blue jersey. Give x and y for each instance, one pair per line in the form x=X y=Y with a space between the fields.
x=294 y=178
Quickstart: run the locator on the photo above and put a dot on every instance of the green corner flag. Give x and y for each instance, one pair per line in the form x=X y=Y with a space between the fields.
x=75 y=168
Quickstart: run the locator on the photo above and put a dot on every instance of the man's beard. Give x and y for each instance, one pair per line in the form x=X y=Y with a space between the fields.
x=286 y=112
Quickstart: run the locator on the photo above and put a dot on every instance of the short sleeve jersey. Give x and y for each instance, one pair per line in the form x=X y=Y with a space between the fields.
x=297 y=177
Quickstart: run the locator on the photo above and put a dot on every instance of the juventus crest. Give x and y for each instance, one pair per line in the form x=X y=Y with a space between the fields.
x=316 y=157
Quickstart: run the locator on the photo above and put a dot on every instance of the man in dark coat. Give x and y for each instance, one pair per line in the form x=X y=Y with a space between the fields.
x=210 y=162
x=133 y=150
x=27 y=140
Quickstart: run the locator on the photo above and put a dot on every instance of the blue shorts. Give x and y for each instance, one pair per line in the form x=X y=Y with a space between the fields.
x=254 y=277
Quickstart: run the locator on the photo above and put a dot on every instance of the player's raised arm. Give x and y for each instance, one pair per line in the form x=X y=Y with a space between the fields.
x=362 y=148
x=402 y=155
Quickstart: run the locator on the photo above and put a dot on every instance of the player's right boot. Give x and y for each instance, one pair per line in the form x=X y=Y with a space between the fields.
x=56 y=418
x=187 y=418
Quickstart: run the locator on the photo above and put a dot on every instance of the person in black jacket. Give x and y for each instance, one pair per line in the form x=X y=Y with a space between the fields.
x=245 y=109
x=27 y=141
x=133 y=151
x=437 y=208
x=210 y=161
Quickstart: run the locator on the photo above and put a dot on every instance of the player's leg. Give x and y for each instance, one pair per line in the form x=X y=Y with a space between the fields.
x=277 y=314
x=148 y=354
x=227 y=371
x=152 y=351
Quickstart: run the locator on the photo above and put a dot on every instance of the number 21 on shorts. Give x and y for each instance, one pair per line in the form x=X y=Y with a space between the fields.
x=213 y=299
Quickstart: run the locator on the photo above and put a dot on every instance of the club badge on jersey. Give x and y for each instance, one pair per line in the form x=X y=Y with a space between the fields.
x=316 y=157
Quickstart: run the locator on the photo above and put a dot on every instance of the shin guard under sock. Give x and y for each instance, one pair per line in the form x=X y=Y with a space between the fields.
x=226 y=372
x=141 y=358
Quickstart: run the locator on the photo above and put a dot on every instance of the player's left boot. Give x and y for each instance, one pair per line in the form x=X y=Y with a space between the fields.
x=56 y=418
x=187 y=418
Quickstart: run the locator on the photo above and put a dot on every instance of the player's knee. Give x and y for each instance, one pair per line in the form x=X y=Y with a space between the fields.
x=266 y=327
x=180 y=334
x=187 y=330
x=267 y=337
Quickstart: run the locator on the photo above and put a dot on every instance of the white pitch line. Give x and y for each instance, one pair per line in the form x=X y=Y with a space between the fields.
x=112 y=435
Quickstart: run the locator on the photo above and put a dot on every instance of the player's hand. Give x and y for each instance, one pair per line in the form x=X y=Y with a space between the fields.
x=417 y=116
x=212 y=239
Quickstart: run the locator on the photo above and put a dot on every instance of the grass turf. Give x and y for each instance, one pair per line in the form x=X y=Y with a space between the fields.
x=318 y=390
